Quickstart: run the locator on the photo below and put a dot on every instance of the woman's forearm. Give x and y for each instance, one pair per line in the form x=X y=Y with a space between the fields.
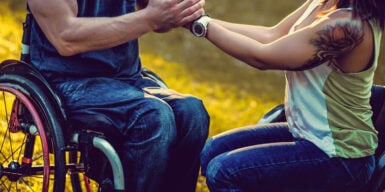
x=235 y=44
x=260 y=33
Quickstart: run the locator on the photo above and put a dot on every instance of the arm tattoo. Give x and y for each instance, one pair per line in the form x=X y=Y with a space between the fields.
x=334 y=41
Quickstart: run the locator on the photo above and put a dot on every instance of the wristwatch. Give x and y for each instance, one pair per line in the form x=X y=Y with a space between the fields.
x=199 y=26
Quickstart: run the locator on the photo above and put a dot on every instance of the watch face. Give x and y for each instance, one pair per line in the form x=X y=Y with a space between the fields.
x=198 y=29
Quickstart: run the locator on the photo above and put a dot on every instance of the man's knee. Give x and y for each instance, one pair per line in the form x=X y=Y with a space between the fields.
x=193 y=106
x=192 y=114
x=153 y=121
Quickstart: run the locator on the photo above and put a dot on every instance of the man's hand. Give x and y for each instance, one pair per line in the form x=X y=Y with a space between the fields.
x=167 y=14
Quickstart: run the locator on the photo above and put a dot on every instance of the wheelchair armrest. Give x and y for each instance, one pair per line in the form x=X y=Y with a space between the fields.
x=277 y=114
x=152 y=75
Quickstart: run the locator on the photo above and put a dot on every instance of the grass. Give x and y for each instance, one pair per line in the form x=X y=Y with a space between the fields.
x=10 y=32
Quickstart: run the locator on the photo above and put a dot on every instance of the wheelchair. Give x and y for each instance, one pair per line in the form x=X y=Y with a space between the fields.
x=40 y=146
x=377 y=102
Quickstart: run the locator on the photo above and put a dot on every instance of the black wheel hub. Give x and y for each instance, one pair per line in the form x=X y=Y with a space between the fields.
x=14 y=168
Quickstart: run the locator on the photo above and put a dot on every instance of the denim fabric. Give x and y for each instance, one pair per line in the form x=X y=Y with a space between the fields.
x=266 y=158
x=164 y=131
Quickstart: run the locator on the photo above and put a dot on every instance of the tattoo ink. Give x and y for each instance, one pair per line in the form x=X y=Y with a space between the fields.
x=335 y=41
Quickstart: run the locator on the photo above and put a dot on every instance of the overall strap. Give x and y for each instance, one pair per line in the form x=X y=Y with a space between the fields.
x=25 y=42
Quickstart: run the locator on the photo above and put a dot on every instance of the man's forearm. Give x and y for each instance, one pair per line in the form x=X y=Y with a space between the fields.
x=88 y=34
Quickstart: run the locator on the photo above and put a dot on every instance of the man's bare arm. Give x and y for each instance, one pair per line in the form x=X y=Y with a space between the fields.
x=71 y=34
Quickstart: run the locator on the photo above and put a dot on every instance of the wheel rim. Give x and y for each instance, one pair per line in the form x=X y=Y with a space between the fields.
x=14 y=174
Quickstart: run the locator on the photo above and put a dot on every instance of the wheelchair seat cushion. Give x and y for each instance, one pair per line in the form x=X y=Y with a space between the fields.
x=96 y=123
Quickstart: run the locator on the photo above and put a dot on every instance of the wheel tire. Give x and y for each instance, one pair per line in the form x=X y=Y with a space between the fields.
x=46 y=165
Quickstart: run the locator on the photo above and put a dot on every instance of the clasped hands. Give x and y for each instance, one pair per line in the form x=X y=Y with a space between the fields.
x=165 y=15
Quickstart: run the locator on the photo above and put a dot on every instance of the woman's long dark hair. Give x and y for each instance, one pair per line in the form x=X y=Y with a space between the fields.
x=366 y=9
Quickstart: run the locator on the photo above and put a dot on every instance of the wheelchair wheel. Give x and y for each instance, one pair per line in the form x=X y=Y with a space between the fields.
x=31 y=153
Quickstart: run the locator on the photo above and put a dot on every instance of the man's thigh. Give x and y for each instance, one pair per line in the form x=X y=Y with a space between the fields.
x=124 y=105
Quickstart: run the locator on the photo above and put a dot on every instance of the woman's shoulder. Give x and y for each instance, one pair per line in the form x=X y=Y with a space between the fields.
x=351 y=36
x=341 y=18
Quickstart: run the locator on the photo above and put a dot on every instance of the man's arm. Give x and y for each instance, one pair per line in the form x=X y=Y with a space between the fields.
x=71 y=34
x=328 y=39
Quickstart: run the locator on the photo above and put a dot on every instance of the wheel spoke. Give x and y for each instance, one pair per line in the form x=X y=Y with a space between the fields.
x=21 y=146
x=3 y=184
x=2 y=145
x=27 y=183
x=12 y=152
x=6 y=120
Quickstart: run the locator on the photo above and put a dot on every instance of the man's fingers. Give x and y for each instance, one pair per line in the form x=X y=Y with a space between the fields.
x=175 y=13
x=192 y=17
x=189 y=7
x=191 y=10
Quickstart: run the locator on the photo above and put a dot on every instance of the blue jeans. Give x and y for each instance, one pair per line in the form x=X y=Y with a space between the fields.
x=163 y=131
x=267 y=158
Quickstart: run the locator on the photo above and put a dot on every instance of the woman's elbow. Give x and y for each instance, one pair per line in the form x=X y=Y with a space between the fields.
x=258 y=64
